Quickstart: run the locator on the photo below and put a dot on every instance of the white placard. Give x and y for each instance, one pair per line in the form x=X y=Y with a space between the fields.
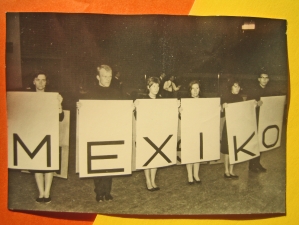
x=64 y=140
x=33 y=130
x=105 y=137
x=200 y=140
x=241 y=131
x=156 y=133
x=270 y=122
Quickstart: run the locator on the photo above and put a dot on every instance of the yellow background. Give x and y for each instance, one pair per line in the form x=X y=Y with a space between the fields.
x=289 y=10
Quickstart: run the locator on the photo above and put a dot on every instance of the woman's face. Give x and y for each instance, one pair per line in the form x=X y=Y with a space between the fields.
x=154 y=89
x=235 y=88
x=195 y=91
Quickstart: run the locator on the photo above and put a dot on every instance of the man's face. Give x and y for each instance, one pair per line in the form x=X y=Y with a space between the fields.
x=40 y=82
x=236 y=89
x=104 y=78
x=264 y=79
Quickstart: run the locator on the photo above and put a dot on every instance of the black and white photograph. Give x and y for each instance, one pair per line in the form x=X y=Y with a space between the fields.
x=146 y=114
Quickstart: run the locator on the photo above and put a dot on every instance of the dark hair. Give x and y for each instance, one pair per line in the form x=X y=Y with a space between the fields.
x=35 y=75
x=260 y=75
x=193 y=82
x=152 y=80
x=231 y=83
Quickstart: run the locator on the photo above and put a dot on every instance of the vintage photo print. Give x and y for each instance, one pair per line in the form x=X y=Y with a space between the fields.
x=146 y=114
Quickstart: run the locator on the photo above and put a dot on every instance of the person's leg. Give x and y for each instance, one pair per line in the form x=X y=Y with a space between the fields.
x=226 y=165
x=107 y=184
x=231 y=171
x=99 y=189
x=148 y=179
x=259 y=165
x=39 y=178
x=48 y=183
x=153 y=177
x=253 y=164
x=196 y=171
x=189 y=171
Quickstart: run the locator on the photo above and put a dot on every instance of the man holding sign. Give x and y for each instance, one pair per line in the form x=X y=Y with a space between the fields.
x=261 y=90
x=103 y=91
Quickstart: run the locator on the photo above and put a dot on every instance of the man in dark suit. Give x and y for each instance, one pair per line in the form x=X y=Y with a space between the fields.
x=260 y=90
x=161 y=92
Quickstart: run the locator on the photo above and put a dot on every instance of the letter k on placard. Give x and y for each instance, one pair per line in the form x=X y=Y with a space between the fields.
x=241 y=148
x=158 y=150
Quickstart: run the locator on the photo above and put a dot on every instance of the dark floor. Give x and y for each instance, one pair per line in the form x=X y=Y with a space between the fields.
x=251 y=194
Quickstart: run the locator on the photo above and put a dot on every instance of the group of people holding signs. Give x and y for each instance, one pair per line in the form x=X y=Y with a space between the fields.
x=116 y=137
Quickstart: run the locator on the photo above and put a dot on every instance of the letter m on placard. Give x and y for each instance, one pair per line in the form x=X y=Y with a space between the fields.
x=31 y=154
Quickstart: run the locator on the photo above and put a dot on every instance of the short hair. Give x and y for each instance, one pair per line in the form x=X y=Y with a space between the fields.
x=105 y=67
x=260 y=75
x=152 y=80
x=35 y=75
x=232 y=82
x=193 y=82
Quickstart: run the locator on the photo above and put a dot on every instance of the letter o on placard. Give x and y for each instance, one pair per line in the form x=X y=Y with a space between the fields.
x=264 y=134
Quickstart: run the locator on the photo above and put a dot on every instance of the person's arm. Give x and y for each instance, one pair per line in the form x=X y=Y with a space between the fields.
x=174 y=87
x=61 y=113
x=166 y=86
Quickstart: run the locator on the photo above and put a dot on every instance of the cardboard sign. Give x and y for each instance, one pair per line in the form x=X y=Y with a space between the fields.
x=105 y=138
x=270 y=122
x=156 y=132
x=200 y=129
x=64 y=140
x=241 y=131
x=33 y=130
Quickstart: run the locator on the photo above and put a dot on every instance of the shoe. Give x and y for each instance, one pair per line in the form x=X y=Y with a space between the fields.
x=190 y=182
x=150 y=189
x=198 y=181
x=47 y=200
x=262 y=169
x=234 y=176
x=156 y=188
x=39 y=200
x=254 y=170
x=108 y=197
x=226 y=176
x=99 y=198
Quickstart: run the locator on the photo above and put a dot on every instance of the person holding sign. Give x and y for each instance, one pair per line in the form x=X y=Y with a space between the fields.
x=44 y=178
x=193 y=168
x=232 y=96
x=103 y=91
x=259 y=91
x=150 y=174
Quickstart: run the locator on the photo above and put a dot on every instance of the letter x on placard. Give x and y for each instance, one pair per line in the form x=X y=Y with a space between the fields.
x=158 y=150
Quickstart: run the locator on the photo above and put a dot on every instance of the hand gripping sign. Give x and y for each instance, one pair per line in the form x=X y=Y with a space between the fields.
x=105 y=137
x=241 y=131
x=270 y=122
x=33 y=131
x=200 y=123
x=156 y=133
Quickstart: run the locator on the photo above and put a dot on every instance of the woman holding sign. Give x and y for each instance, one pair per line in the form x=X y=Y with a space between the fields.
x=232 y=96
x=193 y=168
x=44 y=178
x=150 y=174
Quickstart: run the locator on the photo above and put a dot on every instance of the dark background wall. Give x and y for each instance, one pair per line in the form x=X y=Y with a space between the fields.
x=69 y=47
